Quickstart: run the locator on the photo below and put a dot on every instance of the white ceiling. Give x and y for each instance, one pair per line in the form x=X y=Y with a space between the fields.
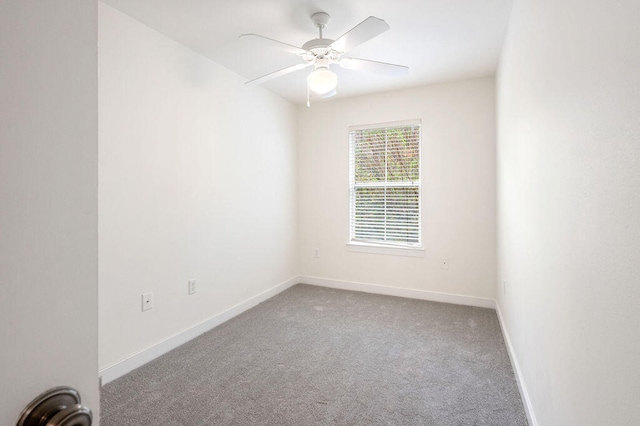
x=439 y=40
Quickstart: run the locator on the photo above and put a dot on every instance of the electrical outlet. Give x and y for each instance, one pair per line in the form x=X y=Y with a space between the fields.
x=444 y=263
x=147 y=301
x=192 y=286
x=316 y=253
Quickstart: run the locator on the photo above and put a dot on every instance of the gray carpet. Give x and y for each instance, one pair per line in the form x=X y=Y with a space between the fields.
x=318 y=356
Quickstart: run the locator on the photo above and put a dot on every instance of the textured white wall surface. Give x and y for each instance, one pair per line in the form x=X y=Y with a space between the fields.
x=569 y=207
x=48 y=201
x=458 y=192
x=197 y=180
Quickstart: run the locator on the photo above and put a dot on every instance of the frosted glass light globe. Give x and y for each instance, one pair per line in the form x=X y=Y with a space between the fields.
x=322 y=81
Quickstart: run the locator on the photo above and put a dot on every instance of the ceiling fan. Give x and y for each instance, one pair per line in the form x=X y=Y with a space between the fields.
x=321 y=53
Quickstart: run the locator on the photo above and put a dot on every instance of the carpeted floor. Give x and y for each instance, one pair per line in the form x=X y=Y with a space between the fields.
x=318 y=356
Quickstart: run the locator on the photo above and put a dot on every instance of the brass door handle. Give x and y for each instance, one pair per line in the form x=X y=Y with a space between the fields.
x=59 y=406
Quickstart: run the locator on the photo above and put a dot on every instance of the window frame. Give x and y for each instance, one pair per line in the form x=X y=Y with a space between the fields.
x=387 y=248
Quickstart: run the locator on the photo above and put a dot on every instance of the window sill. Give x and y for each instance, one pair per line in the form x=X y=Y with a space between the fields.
x=385 y=250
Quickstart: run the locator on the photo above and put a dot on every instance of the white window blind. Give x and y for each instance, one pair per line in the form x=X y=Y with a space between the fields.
x=384 y=170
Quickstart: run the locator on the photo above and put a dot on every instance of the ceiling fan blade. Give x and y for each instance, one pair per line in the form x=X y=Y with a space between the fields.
x=365 y=30
x=383 y=68
x=278 y=73
x=285 y=46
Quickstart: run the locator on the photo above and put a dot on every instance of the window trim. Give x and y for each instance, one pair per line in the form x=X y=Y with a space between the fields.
x=385 y=248
x=360 y=247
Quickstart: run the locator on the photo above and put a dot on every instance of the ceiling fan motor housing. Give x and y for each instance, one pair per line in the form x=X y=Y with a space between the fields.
x=318 y=46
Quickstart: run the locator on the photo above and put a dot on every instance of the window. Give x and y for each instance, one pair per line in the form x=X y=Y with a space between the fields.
x=384 y=178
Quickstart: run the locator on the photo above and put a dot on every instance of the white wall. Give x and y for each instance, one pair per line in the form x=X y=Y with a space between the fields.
x=569 y=207
x=197 y=180
x=458 y=196
x=48 y=202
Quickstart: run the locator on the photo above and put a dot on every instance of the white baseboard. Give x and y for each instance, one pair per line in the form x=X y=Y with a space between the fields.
x=528 y=408
x=433 y=296
x=125 y=366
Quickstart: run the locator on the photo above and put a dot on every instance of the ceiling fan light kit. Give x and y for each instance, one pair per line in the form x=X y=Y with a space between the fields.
x=322 y=80
x=322 y=52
